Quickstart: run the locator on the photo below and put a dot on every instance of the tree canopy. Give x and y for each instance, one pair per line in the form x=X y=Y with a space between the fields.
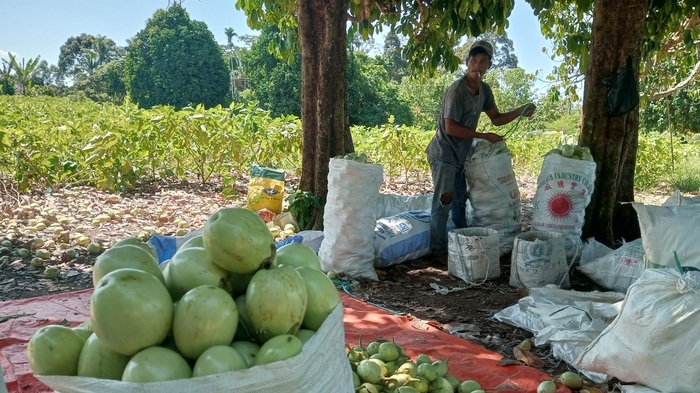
x=82 y=55
x=175 y=61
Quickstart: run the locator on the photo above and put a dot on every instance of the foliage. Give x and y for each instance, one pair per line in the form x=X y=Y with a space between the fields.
x=684 y=115
x=274 y=83
x=80 y=56
x=301 y=206
x=668 y=33
x=46 y=75
x=686 y=177
x=657 y=162
x=175 y=61
x=424 y=95
x=20 y=72
x=396 y=65
x=433 y=31
x=106 y=83
x=48 y=142
x=372 y=96
x=6 y=85
x=400 y=149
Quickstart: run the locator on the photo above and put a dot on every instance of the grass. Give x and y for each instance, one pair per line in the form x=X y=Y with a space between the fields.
x=686 y=177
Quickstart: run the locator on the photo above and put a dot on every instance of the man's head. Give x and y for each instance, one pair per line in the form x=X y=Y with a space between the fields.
x=479 y=59
x=481 y=46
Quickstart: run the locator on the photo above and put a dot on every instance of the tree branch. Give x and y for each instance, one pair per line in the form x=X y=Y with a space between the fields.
x=681 y=85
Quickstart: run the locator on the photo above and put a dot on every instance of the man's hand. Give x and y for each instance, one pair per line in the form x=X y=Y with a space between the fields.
x=491 y=137
x=528 y=110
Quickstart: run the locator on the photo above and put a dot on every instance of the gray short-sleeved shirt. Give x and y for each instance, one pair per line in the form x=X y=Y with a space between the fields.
x=463 y=107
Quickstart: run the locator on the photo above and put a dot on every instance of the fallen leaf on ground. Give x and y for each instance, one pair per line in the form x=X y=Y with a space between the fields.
x=528 y=357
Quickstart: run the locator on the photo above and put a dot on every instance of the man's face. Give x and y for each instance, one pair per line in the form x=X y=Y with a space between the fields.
x=478 y=64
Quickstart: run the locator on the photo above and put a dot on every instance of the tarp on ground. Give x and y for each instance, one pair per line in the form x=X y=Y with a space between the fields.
x=19 y=319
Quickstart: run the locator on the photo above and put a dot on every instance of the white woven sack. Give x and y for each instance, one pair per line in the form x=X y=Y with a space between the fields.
x=538 y=259
x=322 y=367
x=677 y=199
x=618 y=269
x=472 y=254
x=390 y=204
x=573 y=245
x=564 y=188
x=669 y=229
x=653 y=341
x=349 y=218
x=493 y=195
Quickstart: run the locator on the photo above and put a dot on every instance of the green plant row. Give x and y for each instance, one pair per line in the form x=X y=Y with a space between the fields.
x=48 y=142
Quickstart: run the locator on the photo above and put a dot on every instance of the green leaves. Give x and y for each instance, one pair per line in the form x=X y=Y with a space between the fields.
x=170 y=56
x=301 y=206
x=113 y=147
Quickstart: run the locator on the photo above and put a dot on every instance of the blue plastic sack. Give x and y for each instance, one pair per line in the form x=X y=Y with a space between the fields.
x=291 y=239
x=165 y=246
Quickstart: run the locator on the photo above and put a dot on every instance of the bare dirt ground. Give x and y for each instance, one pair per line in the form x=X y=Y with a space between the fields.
x=172 y=207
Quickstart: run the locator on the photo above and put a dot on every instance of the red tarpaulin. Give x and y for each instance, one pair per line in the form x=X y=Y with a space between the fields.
x=467 y=360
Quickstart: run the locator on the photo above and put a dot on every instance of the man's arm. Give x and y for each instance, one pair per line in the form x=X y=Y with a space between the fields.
x=452 y=128
x=499 y=119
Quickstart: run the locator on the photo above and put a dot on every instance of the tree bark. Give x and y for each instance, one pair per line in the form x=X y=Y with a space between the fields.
x=324 y=117
x=618 y=31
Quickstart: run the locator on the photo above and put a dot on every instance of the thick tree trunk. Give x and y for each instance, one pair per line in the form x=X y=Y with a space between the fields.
x=324 y=117
x=618 y=30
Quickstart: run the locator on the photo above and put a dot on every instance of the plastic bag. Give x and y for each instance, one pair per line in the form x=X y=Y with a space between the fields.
x=265 y=189
x=623 y=94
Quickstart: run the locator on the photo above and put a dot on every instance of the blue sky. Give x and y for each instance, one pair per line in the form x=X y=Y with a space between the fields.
x=31 y=28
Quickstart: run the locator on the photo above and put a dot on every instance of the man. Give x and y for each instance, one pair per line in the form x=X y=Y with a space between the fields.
x=462 y=104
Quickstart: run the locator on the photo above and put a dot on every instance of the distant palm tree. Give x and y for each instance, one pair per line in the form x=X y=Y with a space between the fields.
x=103 y=50
x=23 y=72
x=89 y=61
x=229 y=35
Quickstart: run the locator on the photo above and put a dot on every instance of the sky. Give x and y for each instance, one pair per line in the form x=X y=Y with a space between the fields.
x=31 y=28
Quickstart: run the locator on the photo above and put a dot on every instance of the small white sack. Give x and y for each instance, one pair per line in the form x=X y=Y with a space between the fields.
x=402 y=237
x=349 y=218
x=493 y=194
x=666 y=229
x=538 y=259
x=321 y=367
x=618 y=269
x=654 y=340
x=564 y=189
x=472 y=254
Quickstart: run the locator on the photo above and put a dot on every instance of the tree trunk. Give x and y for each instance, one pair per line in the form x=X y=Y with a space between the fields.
x=324 y=117
x=618 y=30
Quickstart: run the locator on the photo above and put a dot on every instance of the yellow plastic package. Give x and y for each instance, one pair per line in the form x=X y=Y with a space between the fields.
x=265 y=189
